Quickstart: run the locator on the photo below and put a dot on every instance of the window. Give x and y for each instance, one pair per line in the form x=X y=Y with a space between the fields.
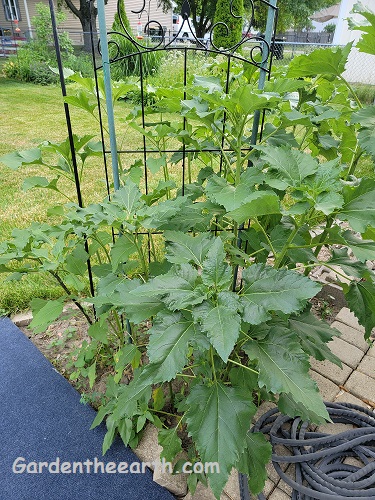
x=11 y=10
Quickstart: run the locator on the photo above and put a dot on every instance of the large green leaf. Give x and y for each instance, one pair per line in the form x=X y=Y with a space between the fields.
x=40 y=182
x=359 y=206
x=45 y=312
x=258 y=203
x=221 y=322
x=361 y=300
x=350 y=267
x=113 y=291
x=320 y=62
x=267 y=289
x=128 y=197
x=363 y=249
x=171 y=443
x=169 y=342
x=283 y=368
x=99 y=331
x=195 y=216
x=288 y=406
x=177 y=288
x=367 y=42
x=314 y=335
x=123 y=248
x=231 y=197
x=76 y=261
x=159 y=216
x=245 y=100
x=366 y=137
x=18 y=158
x=254 y=459
x=139 y=389
x=81 y=100
x=218 y=418
x=241 y=377
x=183 y=248
x=216 y=272
x=287 y=167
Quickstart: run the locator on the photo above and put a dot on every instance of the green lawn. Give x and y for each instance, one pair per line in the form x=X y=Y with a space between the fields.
x=30 y=115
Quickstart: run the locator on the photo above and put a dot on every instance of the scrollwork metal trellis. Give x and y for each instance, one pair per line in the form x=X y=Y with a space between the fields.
x=244 y=50
x=253 y=44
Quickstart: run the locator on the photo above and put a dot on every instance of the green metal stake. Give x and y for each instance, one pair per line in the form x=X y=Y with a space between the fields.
x=108 y=92
x=263 y=72
x=109 y=102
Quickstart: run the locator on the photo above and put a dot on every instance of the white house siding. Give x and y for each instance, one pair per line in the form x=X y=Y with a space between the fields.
x=360 y=67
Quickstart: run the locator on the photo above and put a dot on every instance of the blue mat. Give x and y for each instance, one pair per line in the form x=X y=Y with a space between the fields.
x=42 y=419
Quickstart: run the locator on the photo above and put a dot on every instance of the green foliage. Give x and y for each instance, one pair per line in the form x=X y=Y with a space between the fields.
x=212 y=283
x=123 y=47
x=367 y=41
x=28 y=66
x=34 y=60
x=43 y=32
x=202 y=13
x=330 y=28
x=292 y=14
x=228 y=20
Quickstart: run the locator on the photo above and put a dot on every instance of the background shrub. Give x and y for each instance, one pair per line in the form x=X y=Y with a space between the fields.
x=121 y=46
x=33 y=60
x=223 y=37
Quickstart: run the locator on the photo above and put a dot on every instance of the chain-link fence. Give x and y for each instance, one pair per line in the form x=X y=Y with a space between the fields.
x=360 y=67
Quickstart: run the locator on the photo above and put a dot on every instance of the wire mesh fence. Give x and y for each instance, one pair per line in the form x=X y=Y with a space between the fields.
x=286 y=46
x=360 y=67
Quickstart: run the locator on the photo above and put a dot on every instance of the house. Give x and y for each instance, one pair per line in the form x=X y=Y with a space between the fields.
x=324 y=17
x=360 y=66
x=16 y=17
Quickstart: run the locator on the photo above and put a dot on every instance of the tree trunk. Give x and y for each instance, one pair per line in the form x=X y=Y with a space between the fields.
x=87 y=15
x=88 y=22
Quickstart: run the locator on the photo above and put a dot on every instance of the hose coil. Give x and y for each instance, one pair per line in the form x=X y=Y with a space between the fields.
x=321 y=471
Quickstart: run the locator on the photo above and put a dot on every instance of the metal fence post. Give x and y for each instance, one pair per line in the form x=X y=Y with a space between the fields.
x=108 y=91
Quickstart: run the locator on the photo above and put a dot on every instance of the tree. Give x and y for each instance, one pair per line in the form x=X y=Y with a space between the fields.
x=87 y=14
x=122 y=46
x=231 y=14
x=292 y=13
x=202 y=12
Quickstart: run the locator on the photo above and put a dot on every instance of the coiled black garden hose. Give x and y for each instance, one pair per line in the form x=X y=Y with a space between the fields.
x=319 y=458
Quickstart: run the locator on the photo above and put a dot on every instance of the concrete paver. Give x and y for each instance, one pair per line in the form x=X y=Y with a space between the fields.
x=346 y=397
x=346 y=316
x=361 y=385
x=348 y=353
x=327 y=389
x=279 y=494
x=333 y=372
x=367 y=366
x=351 y=335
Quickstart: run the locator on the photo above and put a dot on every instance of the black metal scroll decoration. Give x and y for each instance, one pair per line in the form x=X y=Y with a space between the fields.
x=256 y=45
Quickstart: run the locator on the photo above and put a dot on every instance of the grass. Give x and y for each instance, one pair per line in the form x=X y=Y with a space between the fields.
x=30 y=115
x=365 y=92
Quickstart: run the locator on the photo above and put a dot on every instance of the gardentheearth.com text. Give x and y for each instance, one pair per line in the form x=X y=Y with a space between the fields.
x=97 y=466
